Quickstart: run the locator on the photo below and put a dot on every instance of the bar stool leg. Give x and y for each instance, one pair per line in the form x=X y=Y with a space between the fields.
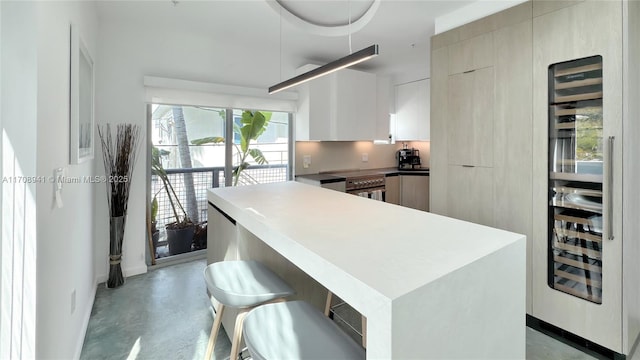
x=237 y=334
x=327 y=311
x=327 y=307
x=215 y=329
x=364 y=332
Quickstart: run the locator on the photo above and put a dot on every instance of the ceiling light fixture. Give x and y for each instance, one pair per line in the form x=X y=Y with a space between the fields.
x=345 y=62
x=349 y=60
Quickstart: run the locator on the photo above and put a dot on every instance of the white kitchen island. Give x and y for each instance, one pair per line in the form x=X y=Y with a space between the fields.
x=431 y=287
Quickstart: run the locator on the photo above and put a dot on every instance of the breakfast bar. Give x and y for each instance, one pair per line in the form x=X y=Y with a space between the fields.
x=429 y=286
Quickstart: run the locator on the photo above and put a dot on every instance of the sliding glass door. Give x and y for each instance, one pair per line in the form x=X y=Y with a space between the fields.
x=197 y=148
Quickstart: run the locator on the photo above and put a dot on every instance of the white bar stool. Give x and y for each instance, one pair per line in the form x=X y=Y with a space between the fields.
x=296 y=330
x=243 y=285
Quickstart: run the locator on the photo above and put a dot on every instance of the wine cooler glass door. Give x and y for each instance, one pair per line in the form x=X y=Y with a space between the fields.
x=576 y=178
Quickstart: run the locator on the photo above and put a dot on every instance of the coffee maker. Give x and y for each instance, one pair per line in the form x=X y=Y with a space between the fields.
x=408 y=158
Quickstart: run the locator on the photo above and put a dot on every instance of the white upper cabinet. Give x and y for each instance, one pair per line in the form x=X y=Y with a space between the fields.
x=412 y=111
x=383 y=100
x=340 y=106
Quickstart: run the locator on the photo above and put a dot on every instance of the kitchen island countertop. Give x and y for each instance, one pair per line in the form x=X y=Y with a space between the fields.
x=422 y=280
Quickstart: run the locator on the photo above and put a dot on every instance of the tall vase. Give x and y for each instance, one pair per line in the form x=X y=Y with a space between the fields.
x=116 y=233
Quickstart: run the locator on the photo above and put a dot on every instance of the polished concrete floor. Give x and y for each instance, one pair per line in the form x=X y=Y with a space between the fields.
x=165 y=314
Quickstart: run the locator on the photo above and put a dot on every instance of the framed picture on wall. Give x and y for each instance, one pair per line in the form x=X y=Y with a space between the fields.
x=81 y=132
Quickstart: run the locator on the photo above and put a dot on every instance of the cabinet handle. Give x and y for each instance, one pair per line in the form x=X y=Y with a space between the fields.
x=469 y=166
x=610 y=181
x=468 y=71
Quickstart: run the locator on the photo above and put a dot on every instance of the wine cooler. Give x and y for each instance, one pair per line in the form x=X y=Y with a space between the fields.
x=586 y=142
x=576 y=160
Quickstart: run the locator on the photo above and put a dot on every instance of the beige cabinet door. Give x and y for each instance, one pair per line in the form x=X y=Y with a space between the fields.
x=471 y=54
x=470 y=130
x=513 y=145
x=470 y=194
x=482 y=117
x=415 y=191
x=459 y=131
x=392 y=189
x=439 y=123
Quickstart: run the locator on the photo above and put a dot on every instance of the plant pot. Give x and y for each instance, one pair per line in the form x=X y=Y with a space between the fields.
x=155 y=237
x=180 y=239
x=200 y=237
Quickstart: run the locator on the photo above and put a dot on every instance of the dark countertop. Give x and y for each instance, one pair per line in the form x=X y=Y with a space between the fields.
x=396 y=171
x=323 y=178
x=337 y=176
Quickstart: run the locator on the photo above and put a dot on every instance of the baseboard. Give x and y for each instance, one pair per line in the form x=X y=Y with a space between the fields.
x=101 y=279
x=573 y=340
x=179 y=259
x=142 y=269
x=85 y=322
x=634 y=348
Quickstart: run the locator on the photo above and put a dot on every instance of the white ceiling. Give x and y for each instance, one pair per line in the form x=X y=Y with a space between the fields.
x=402 y=28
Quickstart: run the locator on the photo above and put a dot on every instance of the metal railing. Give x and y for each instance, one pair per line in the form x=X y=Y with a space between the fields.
x=204 y=179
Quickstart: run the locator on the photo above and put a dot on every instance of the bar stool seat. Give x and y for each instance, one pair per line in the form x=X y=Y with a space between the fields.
x=241 y=284
x=244 y=283
x=296 y=330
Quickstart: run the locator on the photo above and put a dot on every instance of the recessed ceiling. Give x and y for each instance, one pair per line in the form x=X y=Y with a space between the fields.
x=326 y=18
x=402 y=28
x=328 y=13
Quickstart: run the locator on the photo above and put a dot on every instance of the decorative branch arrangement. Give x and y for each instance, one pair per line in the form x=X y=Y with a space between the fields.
x=119 y=157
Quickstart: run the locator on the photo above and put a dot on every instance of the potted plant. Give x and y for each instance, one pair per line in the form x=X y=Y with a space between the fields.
x=180 y=232
x=155 y=233
x=200 y=236
x=254 y=123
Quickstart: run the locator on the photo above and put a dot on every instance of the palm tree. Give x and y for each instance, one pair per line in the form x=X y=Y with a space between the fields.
x=185 y=162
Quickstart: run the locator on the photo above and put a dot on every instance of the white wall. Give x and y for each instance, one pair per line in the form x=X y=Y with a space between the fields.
x=128 y=52
x=65 y=235
x=19 y=98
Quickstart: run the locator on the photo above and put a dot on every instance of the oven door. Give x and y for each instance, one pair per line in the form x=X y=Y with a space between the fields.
x=377 y=193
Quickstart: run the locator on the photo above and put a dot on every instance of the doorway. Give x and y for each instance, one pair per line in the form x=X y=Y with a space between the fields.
x=195 y=148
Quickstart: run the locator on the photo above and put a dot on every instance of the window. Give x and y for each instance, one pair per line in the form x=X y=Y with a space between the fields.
x=190 y=143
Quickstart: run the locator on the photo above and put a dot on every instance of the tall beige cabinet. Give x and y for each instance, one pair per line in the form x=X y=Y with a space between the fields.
x=490 y=136
x=561 y=35
x=481 y=146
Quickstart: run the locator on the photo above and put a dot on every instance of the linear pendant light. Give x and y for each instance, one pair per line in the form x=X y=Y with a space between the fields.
x=351 y=59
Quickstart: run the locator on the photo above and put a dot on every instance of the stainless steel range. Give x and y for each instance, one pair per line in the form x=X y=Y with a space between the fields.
x=371 y=186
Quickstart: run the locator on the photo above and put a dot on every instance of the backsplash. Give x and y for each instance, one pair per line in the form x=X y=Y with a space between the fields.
x=347 y=155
